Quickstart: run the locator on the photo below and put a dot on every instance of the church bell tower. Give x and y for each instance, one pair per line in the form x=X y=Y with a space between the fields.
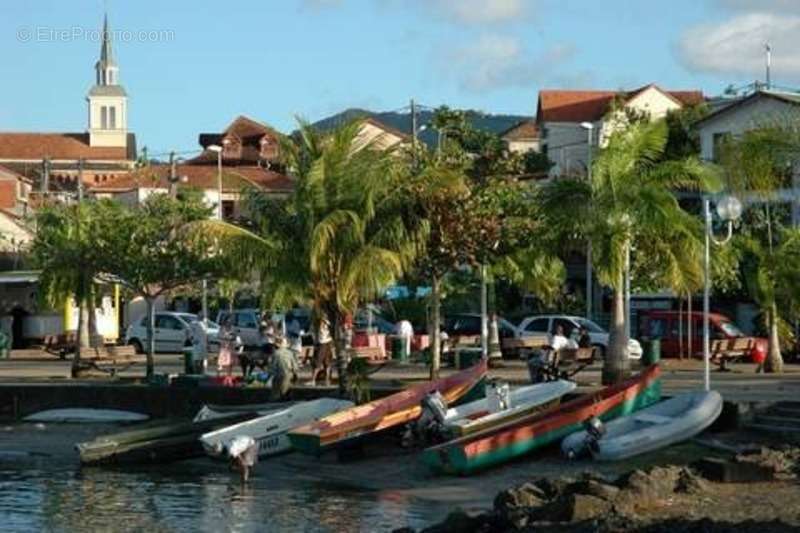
x=108 y=102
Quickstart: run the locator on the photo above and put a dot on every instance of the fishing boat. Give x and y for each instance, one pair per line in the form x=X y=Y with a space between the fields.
x=481 y=414
x=660 y=425
x=158 y=442
x=505 y=442
x=400 y=408
x=80 y=415
x=270 y=431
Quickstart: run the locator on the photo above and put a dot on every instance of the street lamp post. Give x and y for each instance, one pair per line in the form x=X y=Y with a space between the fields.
x=589 y=127
x=729 y=209
x=218 y=150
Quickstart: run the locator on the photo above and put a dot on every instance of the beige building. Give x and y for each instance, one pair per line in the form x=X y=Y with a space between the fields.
x=570 y=120
x=523 y=137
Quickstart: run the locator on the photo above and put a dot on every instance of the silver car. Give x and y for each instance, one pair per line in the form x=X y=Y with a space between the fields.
x=541 y=325
x=173 y=332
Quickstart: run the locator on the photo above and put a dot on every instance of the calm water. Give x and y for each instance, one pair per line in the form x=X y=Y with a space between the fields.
x=49 y=491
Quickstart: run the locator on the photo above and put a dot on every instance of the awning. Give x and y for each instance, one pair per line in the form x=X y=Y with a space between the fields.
x=20 y=276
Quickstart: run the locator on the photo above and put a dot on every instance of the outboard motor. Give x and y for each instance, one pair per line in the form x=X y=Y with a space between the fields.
x=429 y=427
x=498 y=396
x=595 y=429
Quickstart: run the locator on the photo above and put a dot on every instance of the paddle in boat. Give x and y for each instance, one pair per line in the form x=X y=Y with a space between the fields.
x=505 y=442
x=80 y=415
x=270 y=431
x=516 y=404
x=660 y=425
x=397 y=409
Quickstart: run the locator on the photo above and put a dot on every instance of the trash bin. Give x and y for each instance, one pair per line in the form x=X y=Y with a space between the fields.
x=188 y=360
x=398 y=353
x=5 y=345
x=651 y=351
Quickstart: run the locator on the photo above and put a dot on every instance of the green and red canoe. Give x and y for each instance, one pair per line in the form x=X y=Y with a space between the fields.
x=503 y=443
x=400 y=408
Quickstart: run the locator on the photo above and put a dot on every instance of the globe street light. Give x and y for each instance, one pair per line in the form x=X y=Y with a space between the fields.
x=729 y=209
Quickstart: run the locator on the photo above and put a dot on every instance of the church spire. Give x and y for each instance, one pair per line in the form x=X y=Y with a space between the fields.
x=106 y=67
x=106 y=54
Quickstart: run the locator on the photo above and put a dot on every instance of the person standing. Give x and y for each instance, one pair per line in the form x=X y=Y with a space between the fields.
x=323 y=353
x=227 y=348
x=405 y=331
x=283 y=368
x=199 y=346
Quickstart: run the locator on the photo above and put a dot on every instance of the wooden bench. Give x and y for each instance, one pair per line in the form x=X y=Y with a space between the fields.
x=724 y=351
x=111 y=359
x=64 y=344
x=522 y=347
x=564 y=364
x=371 y=353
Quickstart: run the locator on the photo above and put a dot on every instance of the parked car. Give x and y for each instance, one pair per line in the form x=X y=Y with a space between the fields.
x=468 y=324
x=543 y=324
x=666 y=326
x=173 y=332
x=245 y=324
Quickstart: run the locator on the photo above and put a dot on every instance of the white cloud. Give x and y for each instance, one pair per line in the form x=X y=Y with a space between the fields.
x=479 y=11
x=736 y=46
x=498 y=61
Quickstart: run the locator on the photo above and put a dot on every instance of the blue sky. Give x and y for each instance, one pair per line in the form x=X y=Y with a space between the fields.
x=272 y=59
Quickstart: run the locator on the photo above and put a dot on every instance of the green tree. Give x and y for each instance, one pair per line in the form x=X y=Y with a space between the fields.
x=339 y=239
x=757 y=165
x=68 y=248
x=151 y=251
x=629 y=203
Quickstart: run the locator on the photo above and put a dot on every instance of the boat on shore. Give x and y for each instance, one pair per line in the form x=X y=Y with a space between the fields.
x=270 y=431
x=357 y=422
x=480 y=415
x=157 y=442
x=84 y=415
x=212 y=411
x=503 y=443
x=658 y=426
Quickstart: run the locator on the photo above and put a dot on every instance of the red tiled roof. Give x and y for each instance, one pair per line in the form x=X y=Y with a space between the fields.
x=200 y=176
x=527 y=129
x=579 y=106
x=55 y=146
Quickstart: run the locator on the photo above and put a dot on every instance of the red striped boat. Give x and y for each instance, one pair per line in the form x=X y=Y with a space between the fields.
x=506 y=442
x=385 y=413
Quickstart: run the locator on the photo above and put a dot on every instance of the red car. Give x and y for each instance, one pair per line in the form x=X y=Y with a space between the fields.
x=664 y=325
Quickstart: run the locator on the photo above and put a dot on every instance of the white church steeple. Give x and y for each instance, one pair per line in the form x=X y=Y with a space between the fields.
x=108 y=102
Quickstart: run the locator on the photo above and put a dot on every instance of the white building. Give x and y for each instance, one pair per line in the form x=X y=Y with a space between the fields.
x=569 y=120
x=762 y=108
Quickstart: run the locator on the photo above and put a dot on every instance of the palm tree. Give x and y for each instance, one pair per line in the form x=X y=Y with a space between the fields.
x=629 y=202
x=758 y=164
x=341 y=236
x=66 y=249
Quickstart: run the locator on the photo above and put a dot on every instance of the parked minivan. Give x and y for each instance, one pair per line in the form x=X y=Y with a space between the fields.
x=666 y=326
x=540 y=326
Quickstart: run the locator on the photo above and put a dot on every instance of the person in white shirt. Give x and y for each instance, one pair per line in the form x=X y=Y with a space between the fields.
x=405 y=331
x=199 y=345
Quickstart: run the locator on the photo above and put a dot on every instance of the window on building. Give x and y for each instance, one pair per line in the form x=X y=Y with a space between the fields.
x=104 y=117
x=228 y=209
x=112 y=117
x=719 y=141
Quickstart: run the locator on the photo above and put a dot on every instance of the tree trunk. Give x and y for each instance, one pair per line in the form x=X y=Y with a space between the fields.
x=436 y=348
x=84 y=321
x=774 y=362
x=680 y=328
x=616 y=366
x=689 y=326
x=76 y=359
x=337 y=329
x=151 y=335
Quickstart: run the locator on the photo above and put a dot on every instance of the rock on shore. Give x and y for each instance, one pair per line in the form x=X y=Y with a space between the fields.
x=634 y=501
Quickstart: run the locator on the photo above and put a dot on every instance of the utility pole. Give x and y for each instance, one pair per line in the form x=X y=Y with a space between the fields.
x=413 y=124
x=45 y=185
x=80 y=180
x=173 y=176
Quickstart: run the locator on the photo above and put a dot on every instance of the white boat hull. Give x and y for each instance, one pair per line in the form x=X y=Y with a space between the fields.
x=270 y=431
x=523 y=399
x=86 y=416
x=669 y=422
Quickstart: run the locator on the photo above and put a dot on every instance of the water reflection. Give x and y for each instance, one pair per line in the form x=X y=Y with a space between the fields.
x=195 y=496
